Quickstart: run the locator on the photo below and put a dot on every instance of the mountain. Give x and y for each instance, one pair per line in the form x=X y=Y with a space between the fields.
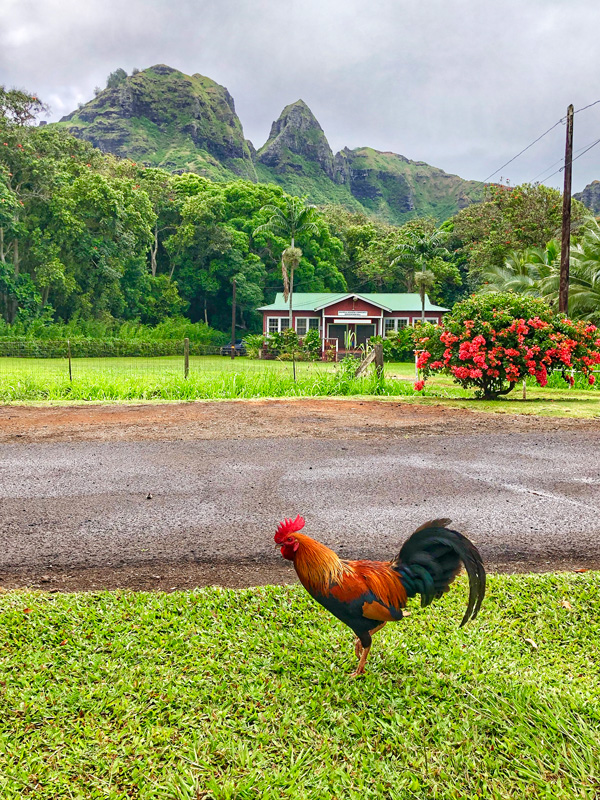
x=298 y=157
x=590 y=197
x=164 y=118
x=159 y=116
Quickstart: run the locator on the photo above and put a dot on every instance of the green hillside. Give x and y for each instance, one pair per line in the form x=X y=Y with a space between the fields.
x=183 y=123
x=162 y=117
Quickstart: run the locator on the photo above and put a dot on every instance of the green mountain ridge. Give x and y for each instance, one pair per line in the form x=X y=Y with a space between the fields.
x=590 y=197
x=182 y=123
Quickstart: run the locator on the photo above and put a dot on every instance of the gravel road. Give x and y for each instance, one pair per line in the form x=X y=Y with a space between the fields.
x=77 y=513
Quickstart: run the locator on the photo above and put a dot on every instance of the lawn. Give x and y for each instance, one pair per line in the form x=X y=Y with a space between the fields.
x=217 y=377
x=219 y=694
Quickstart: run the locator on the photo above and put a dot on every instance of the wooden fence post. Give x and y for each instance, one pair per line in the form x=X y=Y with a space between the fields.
x=186 y=357
x=69 y=355
x=379 y=359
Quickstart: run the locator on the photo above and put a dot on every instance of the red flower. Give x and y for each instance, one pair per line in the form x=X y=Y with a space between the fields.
x=591 y=380
x=419 y=385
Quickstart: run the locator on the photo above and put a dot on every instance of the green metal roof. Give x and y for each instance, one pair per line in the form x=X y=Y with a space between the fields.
x=314 y=301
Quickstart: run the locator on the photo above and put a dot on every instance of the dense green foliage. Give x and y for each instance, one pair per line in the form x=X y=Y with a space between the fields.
x=511 y=219
x=536 y=272
x=492 y=341
x=223 y=694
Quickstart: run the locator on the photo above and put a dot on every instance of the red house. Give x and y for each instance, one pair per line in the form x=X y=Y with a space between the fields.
x=347 y=320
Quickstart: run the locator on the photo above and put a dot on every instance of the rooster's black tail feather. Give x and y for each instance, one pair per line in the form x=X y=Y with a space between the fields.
x=430 y=560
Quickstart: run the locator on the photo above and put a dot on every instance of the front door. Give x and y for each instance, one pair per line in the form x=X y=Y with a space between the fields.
x=338 y=332
x=364 y=332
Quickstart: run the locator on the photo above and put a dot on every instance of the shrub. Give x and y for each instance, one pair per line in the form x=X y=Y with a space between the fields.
x=492 y=341
x=254 y=344
x=397 y=345
x=311 y=344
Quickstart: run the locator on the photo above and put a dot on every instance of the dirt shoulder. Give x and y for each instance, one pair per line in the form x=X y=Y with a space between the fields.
x=322 y=418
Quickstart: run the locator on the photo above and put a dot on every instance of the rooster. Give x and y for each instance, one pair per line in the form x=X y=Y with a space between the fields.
x=367 y=594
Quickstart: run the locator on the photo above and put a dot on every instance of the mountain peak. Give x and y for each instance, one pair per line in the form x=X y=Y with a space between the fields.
x=296 y=136
x=590 y=197
x=163 y=117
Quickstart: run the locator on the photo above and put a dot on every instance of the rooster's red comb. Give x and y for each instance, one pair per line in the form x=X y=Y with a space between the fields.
x=288 y=526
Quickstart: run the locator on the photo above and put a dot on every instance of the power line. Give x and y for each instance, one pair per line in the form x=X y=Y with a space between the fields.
x=558 y=161
x=575 y=159
x=535 y=141
x=595 y=103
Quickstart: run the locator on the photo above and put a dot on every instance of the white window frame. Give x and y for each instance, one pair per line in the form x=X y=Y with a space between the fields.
x=435 y=320
x=394 y=327
x=279 y=321
x=316 y=327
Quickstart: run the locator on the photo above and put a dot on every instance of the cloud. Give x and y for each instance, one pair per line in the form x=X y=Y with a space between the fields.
x=461 y=84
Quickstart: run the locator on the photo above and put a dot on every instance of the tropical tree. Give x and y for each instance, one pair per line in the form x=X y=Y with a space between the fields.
x=295 y=218
x=419 y=250
x=424 y=280
x=522 y=271
x=584 y=275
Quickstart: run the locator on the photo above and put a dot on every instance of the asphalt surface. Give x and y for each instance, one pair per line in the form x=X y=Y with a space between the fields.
x=529 y=500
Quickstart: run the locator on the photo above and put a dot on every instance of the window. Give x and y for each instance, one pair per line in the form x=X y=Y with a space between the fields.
x=304 y=324
x=391 y=324
x=277 y=324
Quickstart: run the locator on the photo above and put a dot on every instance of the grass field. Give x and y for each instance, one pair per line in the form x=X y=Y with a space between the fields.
x=222 y=694
x=216 y=377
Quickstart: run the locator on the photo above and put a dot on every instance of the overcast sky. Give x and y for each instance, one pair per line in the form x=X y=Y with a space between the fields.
x=461 y=84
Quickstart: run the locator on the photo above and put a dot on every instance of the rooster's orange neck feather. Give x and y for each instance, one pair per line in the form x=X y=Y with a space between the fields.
x=317 y=566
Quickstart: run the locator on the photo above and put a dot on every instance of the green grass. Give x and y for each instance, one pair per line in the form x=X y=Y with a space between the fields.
x=217 y=377
x=222 y=694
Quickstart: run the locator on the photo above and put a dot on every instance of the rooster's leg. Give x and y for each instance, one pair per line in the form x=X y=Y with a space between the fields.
x=365 y=652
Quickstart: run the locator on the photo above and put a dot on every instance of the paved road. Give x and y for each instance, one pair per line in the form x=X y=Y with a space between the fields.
x=528 y=499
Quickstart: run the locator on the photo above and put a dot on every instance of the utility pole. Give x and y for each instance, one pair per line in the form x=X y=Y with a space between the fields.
x=233 y=322
x=563 y=295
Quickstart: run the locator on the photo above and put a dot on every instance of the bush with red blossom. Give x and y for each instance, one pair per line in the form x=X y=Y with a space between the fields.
x=490 y=342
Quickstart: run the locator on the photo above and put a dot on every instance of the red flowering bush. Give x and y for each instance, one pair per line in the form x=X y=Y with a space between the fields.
x=492 y=341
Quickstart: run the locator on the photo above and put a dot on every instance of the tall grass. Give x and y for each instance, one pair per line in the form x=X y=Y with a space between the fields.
x=218 y=385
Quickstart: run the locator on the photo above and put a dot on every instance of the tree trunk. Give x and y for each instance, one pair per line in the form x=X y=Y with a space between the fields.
x=291 y=315
x=16 y=257
x=488 y=394
x=2 y=254
x=153 y=251
x=205 y=314
x=12 y=303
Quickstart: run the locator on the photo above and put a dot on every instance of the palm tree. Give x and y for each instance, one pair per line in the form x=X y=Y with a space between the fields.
x=424 y=280
x=420 y=248
x=295 y=218
x=523 y=272
x=584 y=275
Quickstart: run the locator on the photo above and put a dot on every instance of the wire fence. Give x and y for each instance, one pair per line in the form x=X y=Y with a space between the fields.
x=92 y=369
x=74 y=360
